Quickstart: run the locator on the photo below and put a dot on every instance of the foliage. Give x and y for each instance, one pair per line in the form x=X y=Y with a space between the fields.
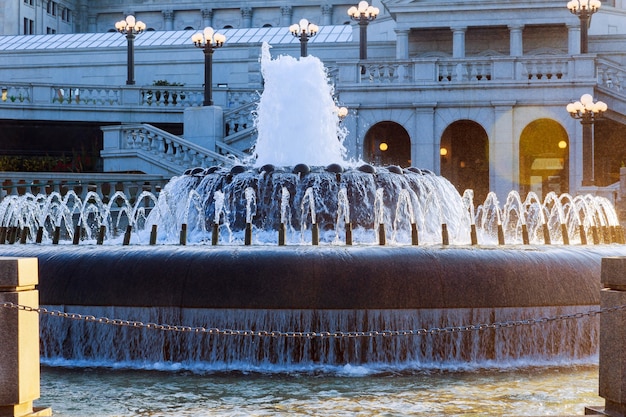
x=165 y=83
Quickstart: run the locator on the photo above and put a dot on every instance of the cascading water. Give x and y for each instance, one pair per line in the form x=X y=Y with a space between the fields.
x=87 y=343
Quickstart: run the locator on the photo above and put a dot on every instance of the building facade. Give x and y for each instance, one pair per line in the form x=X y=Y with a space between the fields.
x=475 y=91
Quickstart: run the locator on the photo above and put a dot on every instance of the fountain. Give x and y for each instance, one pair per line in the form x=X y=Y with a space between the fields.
x=314 y=259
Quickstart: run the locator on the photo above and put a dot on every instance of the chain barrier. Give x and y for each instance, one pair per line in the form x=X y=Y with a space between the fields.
x=310 y=335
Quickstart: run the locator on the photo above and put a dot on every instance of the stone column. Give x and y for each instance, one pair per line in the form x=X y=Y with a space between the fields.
x=424 y=144
x=204 y=125
x=516 y=41
x=612 y=338
x=402 y=44
x=503 y=159
x=19 y=344
x=207 y=17
x=285 y=16
x=458 y=42
x=92 y=26
x=168 y=19
x=246 y=15
x=327 y=15
x=573 y=39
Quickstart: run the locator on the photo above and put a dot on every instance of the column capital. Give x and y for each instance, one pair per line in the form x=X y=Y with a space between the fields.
x=246 y=12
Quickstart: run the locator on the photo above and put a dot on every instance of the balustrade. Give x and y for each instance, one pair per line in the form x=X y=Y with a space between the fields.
x=239 y=119
x=105 y=185
x=169 y=96
x=16 y=94
x=611 y=76
x=545 y=69
x=99 y=96
x=163 y=145
x=464 y=71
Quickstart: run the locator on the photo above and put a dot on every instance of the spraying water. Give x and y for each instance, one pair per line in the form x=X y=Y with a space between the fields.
x=297 y=119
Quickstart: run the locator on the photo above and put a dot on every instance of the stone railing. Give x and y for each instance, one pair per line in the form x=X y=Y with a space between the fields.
x=239 y=119
x=126 y=143
x=105 y=185
x=174 y=97
x=544 y=68
x=76 y=96
x=611 y=76
x=463 y=71
x=16 y=93
x=171 y=96
x=437 y=70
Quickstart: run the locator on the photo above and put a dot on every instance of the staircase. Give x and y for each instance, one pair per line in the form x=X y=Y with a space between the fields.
x=146 y=148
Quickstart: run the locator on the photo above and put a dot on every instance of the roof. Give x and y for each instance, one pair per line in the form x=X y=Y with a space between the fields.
x=272 y=35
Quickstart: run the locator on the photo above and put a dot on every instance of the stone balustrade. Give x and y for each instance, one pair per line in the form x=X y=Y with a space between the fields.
x=16 y=93
x=126 y=146
x=611 y=76
x=99 y=96
x=464 y=71
x=105 y=185
x=171 y=96
x=437 y=70
x=240 y=118
x=428 y=70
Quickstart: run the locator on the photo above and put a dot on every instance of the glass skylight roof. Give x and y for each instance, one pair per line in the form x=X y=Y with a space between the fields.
x=272 y=35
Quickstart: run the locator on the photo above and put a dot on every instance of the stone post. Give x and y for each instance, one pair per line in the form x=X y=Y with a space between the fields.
x=612 y=381
x=204 y=125
x=19 y=344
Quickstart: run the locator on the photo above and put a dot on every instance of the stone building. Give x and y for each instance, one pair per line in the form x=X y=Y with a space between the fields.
x=475 y=91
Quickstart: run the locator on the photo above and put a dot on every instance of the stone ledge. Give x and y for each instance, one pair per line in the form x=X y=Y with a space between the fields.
x=18 y=273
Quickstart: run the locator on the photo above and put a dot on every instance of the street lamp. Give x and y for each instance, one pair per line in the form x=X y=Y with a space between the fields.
x=209 y=41
x=583 y=9
x=130 y=28
x=363 y=13
x=587 y=112
x=304 y=30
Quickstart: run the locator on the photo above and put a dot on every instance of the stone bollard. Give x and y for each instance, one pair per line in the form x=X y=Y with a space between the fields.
x=612 y=381
x=19 y=344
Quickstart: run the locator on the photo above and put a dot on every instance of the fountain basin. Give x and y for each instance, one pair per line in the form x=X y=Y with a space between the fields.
x=325 y=277
x=324 y=290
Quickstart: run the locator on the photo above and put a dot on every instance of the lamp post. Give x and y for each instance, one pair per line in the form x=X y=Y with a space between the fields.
x=587 y=112
x=583 y=9
x=130 y=27
x=363 y=13
x=209 y=41
x=303 y=30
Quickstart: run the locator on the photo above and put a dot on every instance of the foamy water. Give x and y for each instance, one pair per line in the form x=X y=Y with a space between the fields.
x=297 y=120
x=513 y=391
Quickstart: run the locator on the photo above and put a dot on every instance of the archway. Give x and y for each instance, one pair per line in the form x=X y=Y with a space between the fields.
x=544 y=158
x=387 y=143
x=464 y=158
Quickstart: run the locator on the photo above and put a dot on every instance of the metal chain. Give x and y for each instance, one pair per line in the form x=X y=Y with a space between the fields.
x=311 y=335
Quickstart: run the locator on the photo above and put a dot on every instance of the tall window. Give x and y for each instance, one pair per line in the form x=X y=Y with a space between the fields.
x=65 y=14
x=29 y=26
x=52 y=8
x=29 y=2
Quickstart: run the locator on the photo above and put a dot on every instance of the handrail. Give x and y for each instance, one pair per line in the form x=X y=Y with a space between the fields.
x=156 y=141
x=611 y=76
x=104 y=184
